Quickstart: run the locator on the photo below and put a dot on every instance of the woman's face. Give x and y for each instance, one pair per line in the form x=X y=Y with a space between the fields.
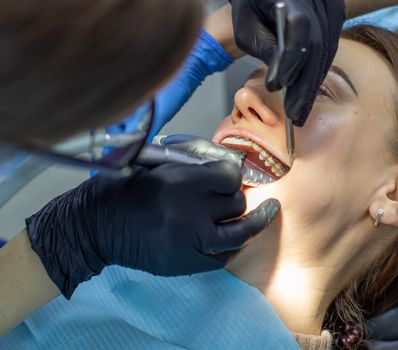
x=341 y=153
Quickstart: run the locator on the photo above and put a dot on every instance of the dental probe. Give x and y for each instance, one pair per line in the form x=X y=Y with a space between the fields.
x=280 y=12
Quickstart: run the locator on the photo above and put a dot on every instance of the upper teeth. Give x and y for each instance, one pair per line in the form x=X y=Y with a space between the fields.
x=257 y=148
x=277 y=167
x=263 y=155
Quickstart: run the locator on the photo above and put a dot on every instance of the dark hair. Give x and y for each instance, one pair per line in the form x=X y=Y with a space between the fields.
x=69 y=65
x=376 y=290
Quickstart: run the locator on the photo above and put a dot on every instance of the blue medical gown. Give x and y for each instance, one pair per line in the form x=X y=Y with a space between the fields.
x=126 y=309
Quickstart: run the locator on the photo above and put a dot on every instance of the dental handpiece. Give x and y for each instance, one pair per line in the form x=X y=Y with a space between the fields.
x=157 y=154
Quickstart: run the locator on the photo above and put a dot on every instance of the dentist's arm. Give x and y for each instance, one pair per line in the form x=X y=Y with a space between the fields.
x=24 y=283
x=219 y=25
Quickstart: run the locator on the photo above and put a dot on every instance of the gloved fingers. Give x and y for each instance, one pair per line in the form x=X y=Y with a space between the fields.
x=252 y=34
x=298 y=34
x=272 y=79
x=225 y=257
x=221 y=208
x=284 y=69
x=219 y=177
x=301 y=95
x=233 y=235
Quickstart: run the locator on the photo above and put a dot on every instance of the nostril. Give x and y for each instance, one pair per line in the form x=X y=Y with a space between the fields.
x=254 y=113
x=236 y=115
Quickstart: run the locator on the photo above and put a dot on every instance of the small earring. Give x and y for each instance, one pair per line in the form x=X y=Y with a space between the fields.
x=379 y=214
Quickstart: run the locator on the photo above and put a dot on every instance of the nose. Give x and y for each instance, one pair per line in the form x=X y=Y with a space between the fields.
x=250 y=104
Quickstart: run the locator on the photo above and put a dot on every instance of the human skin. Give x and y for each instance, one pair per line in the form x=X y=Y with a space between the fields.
x=344 y=171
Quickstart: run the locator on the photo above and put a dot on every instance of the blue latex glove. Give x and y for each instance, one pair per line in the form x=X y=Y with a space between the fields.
x=207 y=57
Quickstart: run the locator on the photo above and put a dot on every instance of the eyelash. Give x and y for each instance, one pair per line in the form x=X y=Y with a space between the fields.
x=325 y=91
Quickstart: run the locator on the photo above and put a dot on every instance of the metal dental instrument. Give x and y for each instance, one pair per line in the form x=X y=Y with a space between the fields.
x=280 y=12
x=161 y=152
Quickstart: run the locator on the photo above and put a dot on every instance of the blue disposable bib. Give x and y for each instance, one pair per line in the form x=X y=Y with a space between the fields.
x=127 y=309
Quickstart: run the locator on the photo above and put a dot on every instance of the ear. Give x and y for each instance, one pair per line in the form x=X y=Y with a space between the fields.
x=386 y=198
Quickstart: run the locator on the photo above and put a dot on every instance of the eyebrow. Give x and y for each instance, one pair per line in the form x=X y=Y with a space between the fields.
x=340 y=72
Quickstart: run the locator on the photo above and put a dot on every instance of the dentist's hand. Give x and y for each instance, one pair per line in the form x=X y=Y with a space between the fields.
x=313 y=29
x=164 y=220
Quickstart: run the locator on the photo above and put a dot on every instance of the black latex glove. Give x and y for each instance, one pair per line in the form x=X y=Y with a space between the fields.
x=313 y=25
x=164 y=221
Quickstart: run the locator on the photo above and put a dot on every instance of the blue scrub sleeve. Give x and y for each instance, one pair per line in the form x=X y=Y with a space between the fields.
x=206 y=58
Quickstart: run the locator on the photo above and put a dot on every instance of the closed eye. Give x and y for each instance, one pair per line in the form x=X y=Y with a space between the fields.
x=325 y=91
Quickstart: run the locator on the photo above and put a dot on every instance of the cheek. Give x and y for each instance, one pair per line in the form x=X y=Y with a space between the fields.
x=324 y=134
x=337 y=162
x=322 y=172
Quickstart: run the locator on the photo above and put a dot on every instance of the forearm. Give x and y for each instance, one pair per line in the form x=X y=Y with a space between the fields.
x=24 y=283
x=359 y=7
x=219 y=26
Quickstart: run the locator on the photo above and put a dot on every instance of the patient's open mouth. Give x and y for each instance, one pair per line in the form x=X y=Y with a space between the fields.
x=258 y=155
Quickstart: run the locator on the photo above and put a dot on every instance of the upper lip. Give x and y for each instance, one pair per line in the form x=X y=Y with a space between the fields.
x=236 y=131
